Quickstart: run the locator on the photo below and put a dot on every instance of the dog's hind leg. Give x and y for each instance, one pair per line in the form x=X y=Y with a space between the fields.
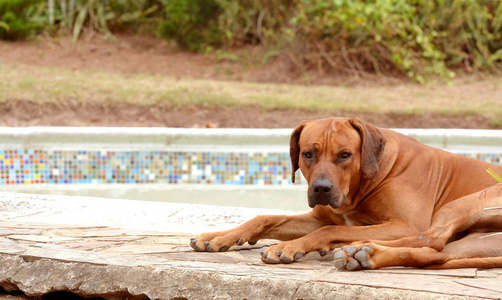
x=476 y=250
x=437 y=246
x=478 y=211
x=374 y=256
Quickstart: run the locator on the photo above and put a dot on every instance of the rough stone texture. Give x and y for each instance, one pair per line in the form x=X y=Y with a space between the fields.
x=115 y=282
x=116 y=263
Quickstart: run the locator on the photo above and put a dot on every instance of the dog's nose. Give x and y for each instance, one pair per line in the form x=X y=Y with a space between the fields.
x=322 y=187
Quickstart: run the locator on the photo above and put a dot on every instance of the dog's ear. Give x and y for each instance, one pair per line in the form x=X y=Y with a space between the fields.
x=372 y=145
x=294 y=148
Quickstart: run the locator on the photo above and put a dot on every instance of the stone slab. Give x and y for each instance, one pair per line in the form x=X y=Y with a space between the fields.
x=432 y=284
x=12 y=231
x=467 y=272
x=483 y=283
x=40 y=238
x=156 y=262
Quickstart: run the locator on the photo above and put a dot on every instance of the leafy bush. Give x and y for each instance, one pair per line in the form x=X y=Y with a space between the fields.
x=141 y=16
x=419 y=38
x=20 y=18
x=254 y=22
x=192 y=23
x=105 y=15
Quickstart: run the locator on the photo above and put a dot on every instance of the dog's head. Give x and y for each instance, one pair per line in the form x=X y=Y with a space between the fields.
x=334 y=155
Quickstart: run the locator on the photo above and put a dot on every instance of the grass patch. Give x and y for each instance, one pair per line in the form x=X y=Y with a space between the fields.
x=57 y=85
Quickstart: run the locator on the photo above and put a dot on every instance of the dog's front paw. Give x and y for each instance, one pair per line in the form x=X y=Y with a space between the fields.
x=218 y=241
x=288 y=252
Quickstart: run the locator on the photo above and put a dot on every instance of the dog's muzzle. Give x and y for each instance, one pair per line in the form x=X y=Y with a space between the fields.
x=322 y=192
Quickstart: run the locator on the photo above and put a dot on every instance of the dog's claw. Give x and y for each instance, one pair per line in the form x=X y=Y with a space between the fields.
x=269 y=260
x=240 y=242
x=252 y=242
x=285 y=260
x=323 y=253
x=209 y=248
x=193 y=244
x=298 y=255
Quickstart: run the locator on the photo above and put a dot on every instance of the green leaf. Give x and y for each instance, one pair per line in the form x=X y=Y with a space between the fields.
x=494 y=175
x=102 y=20
x=4 y=26
x=79 y=22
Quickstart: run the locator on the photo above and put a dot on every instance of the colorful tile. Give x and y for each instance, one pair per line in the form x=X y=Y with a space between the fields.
x=38 y=166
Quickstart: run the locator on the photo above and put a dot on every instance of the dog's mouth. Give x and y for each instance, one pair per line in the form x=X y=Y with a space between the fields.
x=335 y=199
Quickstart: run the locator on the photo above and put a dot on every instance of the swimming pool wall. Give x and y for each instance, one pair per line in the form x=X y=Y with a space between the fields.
x=213 y=166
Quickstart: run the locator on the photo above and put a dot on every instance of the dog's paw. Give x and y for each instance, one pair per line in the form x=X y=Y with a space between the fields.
x=278 y=254
x=288 y=252
x=218 y=241
x=354 y=257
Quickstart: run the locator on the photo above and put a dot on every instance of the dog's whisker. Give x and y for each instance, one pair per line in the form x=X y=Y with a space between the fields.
x=492 y=208
x=490 y=235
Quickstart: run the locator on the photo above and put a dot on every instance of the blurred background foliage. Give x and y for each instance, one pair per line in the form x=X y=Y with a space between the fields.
x=418 y=38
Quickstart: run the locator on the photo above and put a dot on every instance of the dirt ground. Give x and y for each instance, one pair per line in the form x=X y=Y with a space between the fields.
x=141 y=54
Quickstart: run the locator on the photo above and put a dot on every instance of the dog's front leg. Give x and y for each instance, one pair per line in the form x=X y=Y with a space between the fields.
x=328 y=238
x=280 y=227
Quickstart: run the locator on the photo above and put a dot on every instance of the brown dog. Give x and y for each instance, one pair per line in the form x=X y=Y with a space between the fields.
x=399 y=202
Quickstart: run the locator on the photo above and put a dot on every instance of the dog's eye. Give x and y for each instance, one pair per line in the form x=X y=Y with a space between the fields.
x=345 y=155
x=308 y=155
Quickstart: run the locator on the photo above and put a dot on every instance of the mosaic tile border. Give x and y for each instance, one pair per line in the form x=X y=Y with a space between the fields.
x=38 y=166
x=133 y=167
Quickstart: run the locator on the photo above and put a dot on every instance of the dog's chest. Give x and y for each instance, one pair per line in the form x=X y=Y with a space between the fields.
x=356 y=218
x=347 y=218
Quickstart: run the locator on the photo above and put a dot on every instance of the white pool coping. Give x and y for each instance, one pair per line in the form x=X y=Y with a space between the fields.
x=123 y=213
x=217 y=139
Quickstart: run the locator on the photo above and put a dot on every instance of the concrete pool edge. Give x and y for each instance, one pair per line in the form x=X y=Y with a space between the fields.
x=229 y=138
x=38 y=254
x=125 y=213
x=292 y=197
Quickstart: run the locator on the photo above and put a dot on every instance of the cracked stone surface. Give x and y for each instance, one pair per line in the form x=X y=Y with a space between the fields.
x=115 y=258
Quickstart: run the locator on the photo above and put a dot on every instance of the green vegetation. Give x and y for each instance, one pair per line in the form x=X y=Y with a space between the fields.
x=192 y=23
x=494 y=175
x=419 y=39
x=41 y=85
x=20 y=18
